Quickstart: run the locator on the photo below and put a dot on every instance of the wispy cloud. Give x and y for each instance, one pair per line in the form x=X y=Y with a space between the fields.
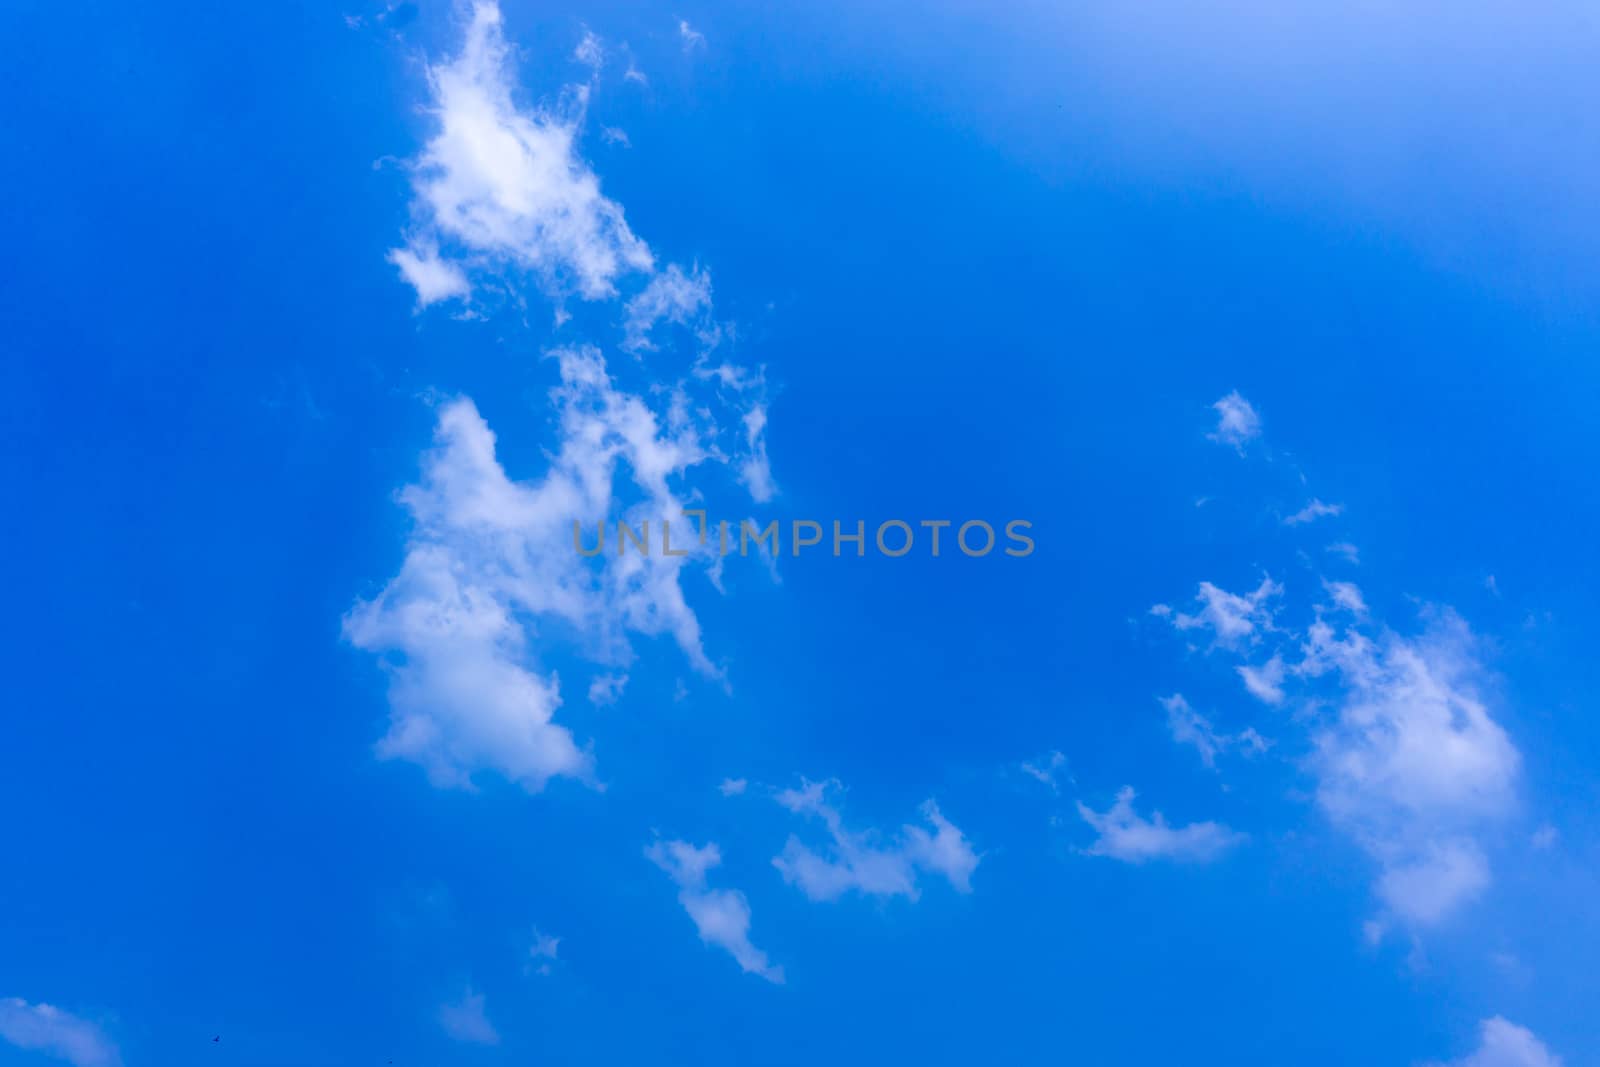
x=1346 y=550
x=606 y=689
x=53 y=1032
x=1346 y=596
x=542 y=951
x=1312 y=512
x=590 y=52
x=1045 y=770
x=722 y=916
x=755 y=468
x=1127 y=836
x=1232 y=618
x=673 y=296
x=1189 y=727
x=1265 y=682
x=859 y=861
x=466 y=1021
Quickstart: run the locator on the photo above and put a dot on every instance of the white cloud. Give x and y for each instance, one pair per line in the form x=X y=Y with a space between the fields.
x=732 y=787
x=1409 y=763
x=1347 y=550
x=1125 y=835
x=1252 y=742
x=433 y=278
x=1505 y=1044
x=605 y=689
x=691 y=37
x=946 y=851
x=1237 y=421
x=1414 y=767
x=488 y=554
x=1544 y=837
x=544 y=946
x=1346 y=595
x=1230 y=617
x=755 y=470
x=672 y=296
x=47 y=1029
x=1427 y=882
x=1312 y=512
x=465 y=1020
x=614 y=135
x=590 y=52
x=542 y=952
x=856 y=861
x=1265 y=682
x=1189 y=727
x=503 y=186
x=1045 y=770
x=489 y=558
x=460 y=698
x=729 y=375
x=722 y=916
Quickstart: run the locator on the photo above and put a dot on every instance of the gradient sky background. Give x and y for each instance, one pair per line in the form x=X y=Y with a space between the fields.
x=1157 y=281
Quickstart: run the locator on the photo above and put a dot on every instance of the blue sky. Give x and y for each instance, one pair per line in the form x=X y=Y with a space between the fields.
x=323 y=745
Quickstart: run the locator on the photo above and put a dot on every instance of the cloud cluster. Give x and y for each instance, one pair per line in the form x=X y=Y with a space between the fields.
x=1232 y=618
x=1411 y=763
x=489 y=556
x=861 y=861
x=490 y=571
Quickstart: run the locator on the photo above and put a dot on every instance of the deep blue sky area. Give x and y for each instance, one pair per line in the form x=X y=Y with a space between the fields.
x=1277 y=323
